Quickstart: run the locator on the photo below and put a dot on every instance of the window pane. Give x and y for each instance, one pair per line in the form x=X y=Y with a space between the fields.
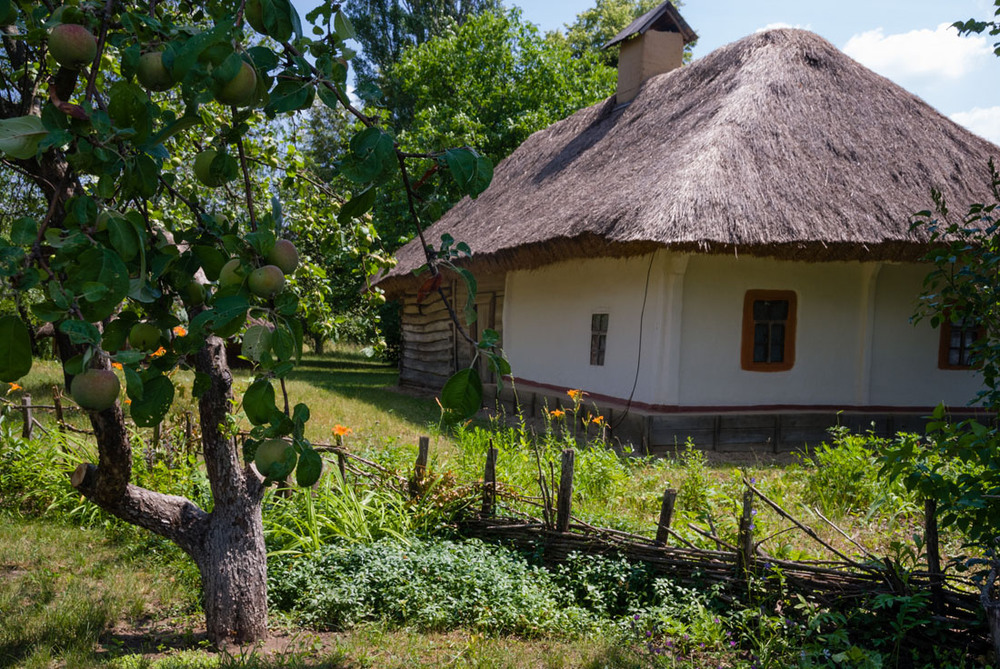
x=777 y=343
x=954 y=357
x=760 y=342
x=760 y=310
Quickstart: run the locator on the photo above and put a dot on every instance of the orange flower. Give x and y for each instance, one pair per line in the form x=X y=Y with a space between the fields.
x=575 y=395
x=117 y=365
x=158 y=352
x=597 y=420
x=14 y=386
x=128 y=400
x=180 y=331
x=341 y=430
x=557 y=413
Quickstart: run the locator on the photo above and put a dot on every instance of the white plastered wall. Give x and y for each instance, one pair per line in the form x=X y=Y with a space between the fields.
x=855 y=346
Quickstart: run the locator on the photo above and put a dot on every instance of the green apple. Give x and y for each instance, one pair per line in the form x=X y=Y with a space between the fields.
x=266 y=281
x=144 y=337
x=240 y=90
x=152 y=73
x=203 y=168
x=232 y=274
x=95 y=389
x=269 y=453
x=284 y=255
x=73 y=46
x=194 y=294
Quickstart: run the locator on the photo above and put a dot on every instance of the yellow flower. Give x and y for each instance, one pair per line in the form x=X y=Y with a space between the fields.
x=117 y=365
x=180 y=331
x=341 y=430
x=14 y=386
x=557 y=413
x=575 y=395
x=158 y=352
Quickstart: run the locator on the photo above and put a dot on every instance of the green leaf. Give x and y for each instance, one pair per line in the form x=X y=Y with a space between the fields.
x=24 y=231
x=462 y=395
x=134 y=386
x=157 y=396
x=15 y=349
x=359 y=205
x=123 y=238
x=256 y=342
x=258 y=402
x=99 y=265
x=283 y=343
x=309 y=469
x=342 y=26
x=372 y=156
x=19 y=137
x=291 y=95
x=128 y=357
x=471 y=171
x=202 y=382
x=81 y=332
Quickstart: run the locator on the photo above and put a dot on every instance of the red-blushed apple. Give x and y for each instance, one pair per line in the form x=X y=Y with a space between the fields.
x=266 y=281
x=284 y=255
x=95 y=389
x=72 y=45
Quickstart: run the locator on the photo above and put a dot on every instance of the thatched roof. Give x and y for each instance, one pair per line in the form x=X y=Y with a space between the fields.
x=664 y=17
x=776 y=145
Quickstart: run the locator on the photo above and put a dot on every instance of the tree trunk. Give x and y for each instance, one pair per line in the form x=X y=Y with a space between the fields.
x=233 y=566
x=318 y=343
x=227 y=544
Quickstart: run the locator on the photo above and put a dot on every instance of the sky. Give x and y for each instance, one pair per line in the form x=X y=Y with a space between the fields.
x=907 y=41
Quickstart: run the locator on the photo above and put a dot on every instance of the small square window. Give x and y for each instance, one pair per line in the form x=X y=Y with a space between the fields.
x=957 y=344
x=598 y=338
x=768 y=330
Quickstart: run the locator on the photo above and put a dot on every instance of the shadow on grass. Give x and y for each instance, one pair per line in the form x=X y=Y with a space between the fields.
x=351 y=375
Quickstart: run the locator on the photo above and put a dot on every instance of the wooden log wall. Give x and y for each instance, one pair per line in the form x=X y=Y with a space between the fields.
x=432 y=349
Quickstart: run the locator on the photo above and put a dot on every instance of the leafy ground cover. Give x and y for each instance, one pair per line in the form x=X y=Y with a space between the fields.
x=361 y=575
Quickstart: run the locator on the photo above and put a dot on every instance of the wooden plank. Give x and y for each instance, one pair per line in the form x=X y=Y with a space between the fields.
x=425 y=336
x=666 y=514
x=439 y=368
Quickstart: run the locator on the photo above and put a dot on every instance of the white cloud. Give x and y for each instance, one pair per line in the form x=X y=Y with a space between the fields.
x=939 y=53
x=771 y=26
x=983 y=122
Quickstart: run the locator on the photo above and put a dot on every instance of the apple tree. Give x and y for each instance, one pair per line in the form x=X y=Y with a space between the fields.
x=105 y=107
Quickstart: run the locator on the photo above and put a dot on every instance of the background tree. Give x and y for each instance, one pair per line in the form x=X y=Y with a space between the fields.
x=386 y=28
x=594 y=27
x=140 y=265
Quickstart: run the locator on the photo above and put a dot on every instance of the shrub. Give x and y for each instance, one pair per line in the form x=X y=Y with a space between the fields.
x=423 y=584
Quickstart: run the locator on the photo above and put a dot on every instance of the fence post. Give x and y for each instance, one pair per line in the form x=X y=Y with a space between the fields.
x=57 y=401
x=342 y=466
x=420 y=468
x=933 y=554
x=666 y=514
x=29 y=427
x=565 y=501
x=744 y=557
x=490 y=482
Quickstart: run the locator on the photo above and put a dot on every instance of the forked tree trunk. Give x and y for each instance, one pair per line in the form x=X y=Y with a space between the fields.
x=227 y=544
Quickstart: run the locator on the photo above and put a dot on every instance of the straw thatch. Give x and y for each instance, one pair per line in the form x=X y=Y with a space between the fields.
x=776 y=145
